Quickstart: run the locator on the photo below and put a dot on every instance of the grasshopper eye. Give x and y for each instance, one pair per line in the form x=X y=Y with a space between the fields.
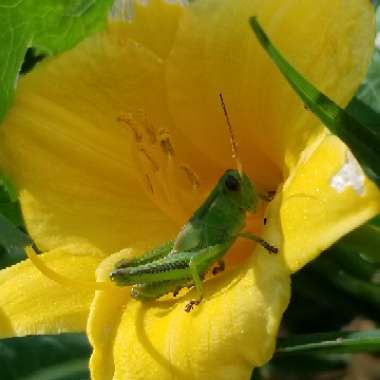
x=232 y=184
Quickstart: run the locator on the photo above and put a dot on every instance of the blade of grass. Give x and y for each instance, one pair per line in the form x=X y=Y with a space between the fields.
x=364 y=141
x=12 y=243
x=355 y=287
x=365 y=240
x=353 y=263
x=331 y=343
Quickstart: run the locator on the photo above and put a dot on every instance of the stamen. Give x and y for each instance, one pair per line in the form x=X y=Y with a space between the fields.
x=150 y=186
x=153 y=163
x=149 y=128
x=164 y=180
x=60 y=279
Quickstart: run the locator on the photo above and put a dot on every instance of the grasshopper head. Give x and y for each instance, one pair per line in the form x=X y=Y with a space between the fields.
x=240 y=189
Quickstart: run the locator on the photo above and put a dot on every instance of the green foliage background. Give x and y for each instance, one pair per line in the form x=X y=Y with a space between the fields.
x=336 y=289
x=48 y=26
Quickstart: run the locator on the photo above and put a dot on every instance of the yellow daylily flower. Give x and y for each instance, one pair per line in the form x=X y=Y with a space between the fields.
x=114 y=144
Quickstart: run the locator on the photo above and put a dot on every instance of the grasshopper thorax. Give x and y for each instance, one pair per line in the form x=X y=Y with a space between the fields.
x=222 y=215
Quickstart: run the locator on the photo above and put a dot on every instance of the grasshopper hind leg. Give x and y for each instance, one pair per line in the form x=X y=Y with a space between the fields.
x=150 y=256
x=197 y=283
x=199 y=264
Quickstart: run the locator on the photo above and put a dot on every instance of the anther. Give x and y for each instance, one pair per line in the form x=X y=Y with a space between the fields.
x=165 y=143
x=191 y=176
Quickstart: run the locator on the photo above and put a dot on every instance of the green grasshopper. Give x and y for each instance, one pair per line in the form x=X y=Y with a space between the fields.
x=202 y=241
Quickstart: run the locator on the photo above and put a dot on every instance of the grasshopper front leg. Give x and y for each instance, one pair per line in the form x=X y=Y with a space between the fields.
x=247 y=235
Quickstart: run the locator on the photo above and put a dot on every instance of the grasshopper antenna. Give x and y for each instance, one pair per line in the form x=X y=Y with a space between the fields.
x=234 y=145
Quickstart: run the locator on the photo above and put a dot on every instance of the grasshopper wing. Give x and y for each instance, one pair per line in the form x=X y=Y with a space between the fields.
x=189 y=238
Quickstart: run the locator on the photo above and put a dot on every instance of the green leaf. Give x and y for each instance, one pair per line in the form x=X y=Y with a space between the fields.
x=331 y=343
x=9 y=191
x=364 y=113
x=9 y=205
x=333 y=271
x=303 y=366
x=12 y=243
x=363 y=140
x=365 y=240
x=318 y=305
x=49 y=26
x=369 y=91
x=353 y=263
x=256 y=375
x=12 y=238
x=55 y=357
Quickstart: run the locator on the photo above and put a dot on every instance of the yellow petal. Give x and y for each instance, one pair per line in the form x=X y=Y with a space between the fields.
x=30 y=303
x=79 y=179
x=102 y=322
x=316 y=211
x=329 y=41
x=153 y=25
x=232 y=330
